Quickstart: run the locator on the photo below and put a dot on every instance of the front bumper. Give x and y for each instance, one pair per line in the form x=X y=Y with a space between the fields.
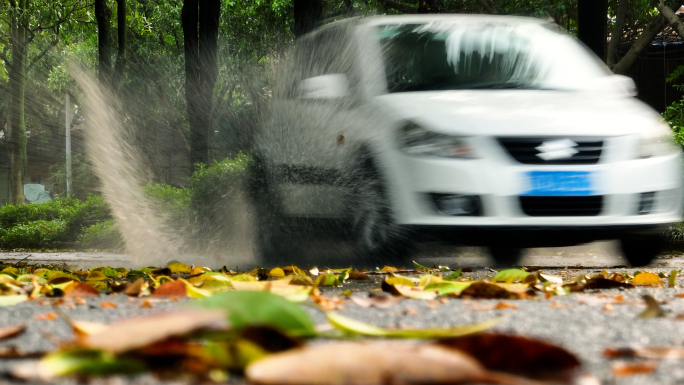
x=499 y=181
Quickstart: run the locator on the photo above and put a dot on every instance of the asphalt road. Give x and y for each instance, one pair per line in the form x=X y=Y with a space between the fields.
x=583 y=322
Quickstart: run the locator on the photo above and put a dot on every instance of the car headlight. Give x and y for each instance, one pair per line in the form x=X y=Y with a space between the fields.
x=415 y=140
x=657 y=144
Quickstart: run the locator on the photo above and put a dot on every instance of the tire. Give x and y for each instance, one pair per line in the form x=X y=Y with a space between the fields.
x=375 y=235
x=640 y=250
x=274 y=244
x=505 y=255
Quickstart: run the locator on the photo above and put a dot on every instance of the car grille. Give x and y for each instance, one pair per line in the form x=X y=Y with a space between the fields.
x=524 y=150
x=563 y=206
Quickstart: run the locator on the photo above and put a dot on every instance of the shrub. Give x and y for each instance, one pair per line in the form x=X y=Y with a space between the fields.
x=102 y=235
x=36 y=234
x=61 y=208
x=90 y=212
x=171 y=200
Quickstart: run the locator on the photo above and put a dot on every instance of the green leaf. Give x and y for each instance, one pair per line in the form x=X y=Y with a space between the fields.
x=672 y=280
x=446 y=287
x=110 y=273
x=179 y=268
x=419 y=266
x=351 y=326
x=245 y=308
x=454 y=276
x=88 y=362
x=511 y=275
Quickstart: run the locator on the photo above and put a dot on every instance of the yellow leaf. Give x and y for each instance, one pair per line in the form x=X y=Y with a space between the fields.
x=179 y=268
x=276 y=272
x=415 y=292
x=95 y=276
x=646 y=279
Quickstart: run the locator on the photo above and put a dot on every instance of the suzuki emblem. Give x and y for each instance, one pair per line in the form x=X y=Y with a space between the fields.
x=557 y=149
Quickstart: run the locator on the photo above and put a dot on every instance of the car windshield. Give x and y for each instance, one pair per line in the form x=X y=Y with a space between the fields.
x=479 y=55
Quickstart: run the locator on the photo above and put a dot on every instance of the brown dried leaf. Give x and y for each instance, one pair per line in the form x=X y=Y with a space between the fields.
x=84 y=328
x=80 y=289
x=632 y=368
x=356 y=274
x=171 y=289
x=490 y=290
x=137 y=332
x=372 y=363
x=517 y=354
x=379 y=301
x=50 y=316
x=136 y=288
x=650 y=353
x=11 y=331
x=108 y=305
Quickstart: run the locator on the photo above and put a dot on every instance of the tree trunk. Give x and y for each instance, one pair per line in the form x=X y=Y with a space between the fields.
x=104 y=44
x=307 y=14
x=616 y=32
x=649 y=33
x=121 y=34
x=672 y=19
x=430 y=6
x=17 y=80
x=209 y=11
x=189 y=21
x=591 y=25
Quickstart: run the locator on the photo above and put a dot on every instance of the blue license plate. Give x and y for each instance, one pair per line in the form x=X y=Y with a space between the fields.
x=559 y=183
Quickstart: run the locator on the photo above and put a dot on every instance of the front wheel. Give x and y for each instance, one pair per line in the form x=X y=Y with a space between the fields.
x=375 y=234
x=640 y=250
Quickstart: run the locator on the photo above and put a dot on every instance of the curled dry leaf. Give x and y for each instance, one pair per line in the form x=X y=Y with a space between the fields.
x=371 y=363
x=136 y=288
x=516 y=354
x=137 y=332
x=632 y=368
x=11 y=331
x=650 y=353
x=359 y=275
x=171 y=289
x=379 y=301
x=80 y=289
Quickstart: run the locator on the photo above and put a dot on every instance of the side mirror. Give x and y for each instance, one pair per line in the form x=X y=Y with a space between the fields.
x=332 y=86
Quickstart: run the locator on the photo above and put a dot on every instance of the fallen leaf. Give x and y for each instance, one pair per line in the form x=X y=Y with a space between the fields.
x=608 y=308
x=96 y=276
x=171 y=289
x=137 y=332
x=358 y=275
x=84 y=328
x=179 y=268
x=244 y=308
x=511 y=275
x=379 y=301
x=372 y=363
x=80 y=289
x=136 y=288
x=646 y=279
x=415 y=292
x=632 y=368
x=653 y=309
x=388 y=268
x=146 y=305
x=489 y=290
x=276 y=272
x=108 y=305
x=516 y=354
x=454 y=276
x=11 y=300
x=672 y=279
x=353 y=327
x=11 y=331
x=50 y=316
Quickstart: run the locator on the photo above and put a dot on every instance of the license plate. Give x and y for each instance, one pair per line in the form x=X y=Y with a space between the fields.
x=558 y=183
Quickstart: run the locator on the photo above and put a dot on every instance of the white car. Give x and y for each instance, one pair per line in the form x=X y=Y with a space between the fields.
x=483 y=130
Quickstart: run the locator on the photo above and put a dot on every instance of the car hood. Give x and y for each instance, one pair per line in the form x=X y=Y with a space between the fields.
x=521 y=112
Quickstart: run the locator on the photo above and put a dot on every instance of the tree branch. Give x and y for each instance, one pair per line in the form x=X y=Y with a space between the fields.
x=38 y=57
x=672 y=19
x=616 y=32
x=399 y=6
x=643 y=41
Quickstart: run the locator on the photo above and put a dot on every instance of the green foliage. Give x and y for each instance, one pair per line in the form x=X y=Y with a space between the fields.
x=674 y=113
x=35 y=234
x=83 y=178
x=102 y=235
x=210 y=185
x=48 y=224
